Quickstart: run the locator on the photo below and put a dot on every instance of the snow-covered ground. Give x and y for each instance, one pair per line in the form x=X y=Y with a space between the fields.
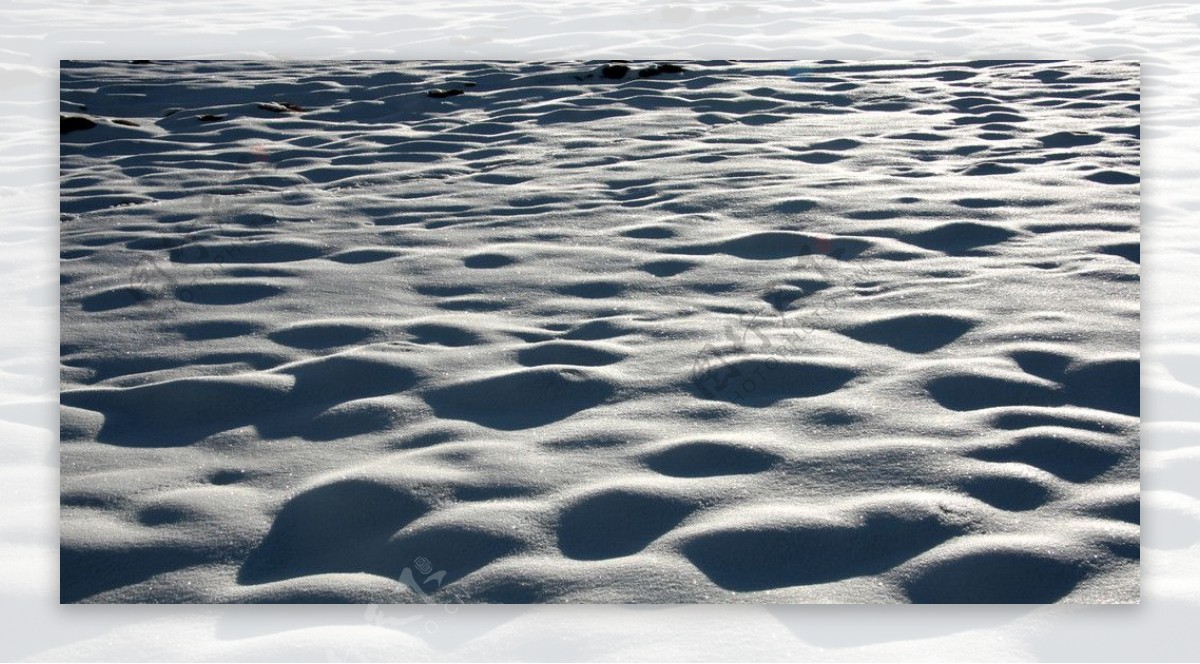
x=787 y=332
x=1162 y=35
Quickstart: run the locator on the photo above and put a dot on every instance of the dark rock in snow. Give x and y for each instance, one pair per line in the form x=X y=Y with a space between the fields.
x=284 y=107
x=661 y=68
x=70 y=123
x=614 y=71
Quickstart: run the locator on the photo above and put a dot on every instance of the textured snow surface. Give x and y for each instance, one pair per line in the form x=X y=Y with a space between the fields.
x=784 y=332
